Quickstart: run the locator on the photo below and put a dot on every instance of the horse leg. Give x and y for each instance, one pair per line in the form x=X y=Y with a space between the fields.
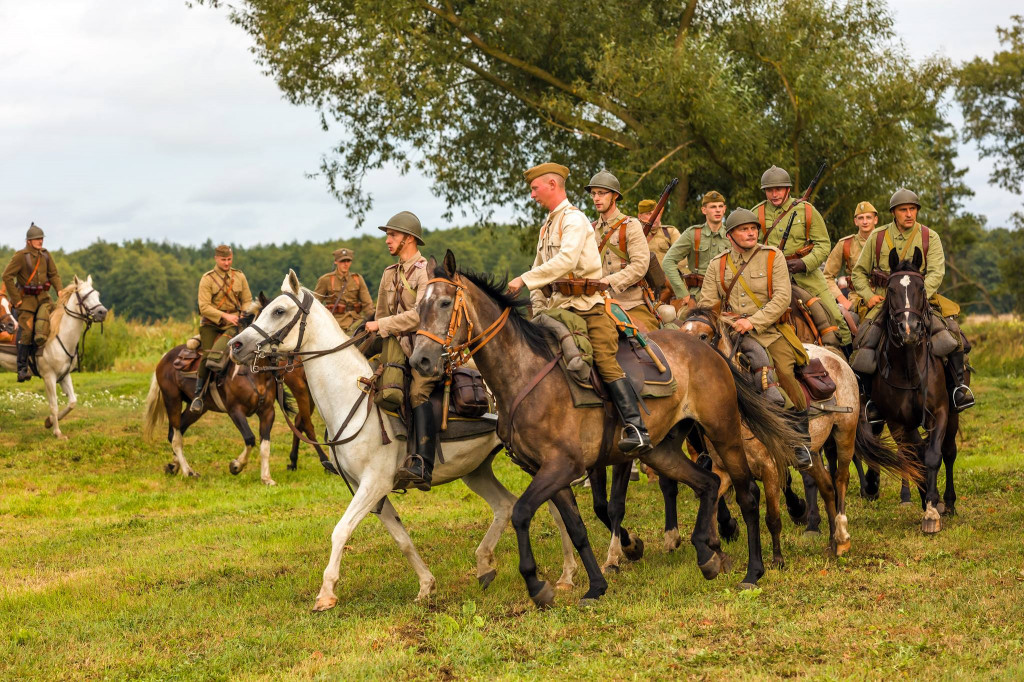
x=266 y=425
x=390 y=519
x=905 y=494
x=669 y=493
x=861 y=477
x=623 y=543
x=811 y=492
x=872 y=484
x=50 y=382
x=568 y=551
x=796 y=507
x=367 y=495
x=823 y=483
x=483 y=482
x=237 y=416
x=565 y=501
x=773 y=512
x=69 y=393
x=715 y=541
x=598 y=477
x=948 y=458
x=843 y=438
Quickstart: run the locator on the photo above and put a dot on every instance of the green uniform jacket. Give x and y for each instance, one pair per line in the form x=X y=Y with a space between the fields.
x=712 y=243
x=933 y=269
x=812 y=280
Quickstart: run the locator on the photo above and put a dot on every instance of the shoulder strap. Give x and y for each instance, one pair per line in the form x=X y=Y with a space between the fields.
x=847 y=247
x=696 y=250
x=737 y=276
x=771 y=277
x=28 y=260
x=808 y=215
x=664 y=231
x=924 y=242
x=622 y=237
x=879 y=238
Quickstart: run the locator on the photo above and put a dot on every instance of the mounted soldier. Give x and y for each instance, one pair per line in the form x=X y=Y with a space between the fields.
x=839 y=265
x=625 y=255
x=28 y=278
x=402 y=285
x=750 y=282
x=567 y=273
x=662 y=237
x=871 y=273
x=345 y=293
x=223 y=297
x=693 y=251
x=807 y=246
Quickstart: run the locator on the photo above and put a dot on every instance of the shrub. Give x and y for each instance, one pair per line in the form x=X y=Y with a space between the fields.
x=998 y=345
x=104 y=344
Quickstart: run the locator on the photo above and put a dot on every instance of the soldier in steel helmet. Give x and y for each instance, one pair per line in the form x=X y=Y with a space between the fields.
x=28 y=278
x=692 y=252
x=402 y=285
x=625 y=255
x=567 y=258
x=223 y=297
x=839 y=265
x=750 y=282
x=345 y=293
x=870 y=275
x=773 y=215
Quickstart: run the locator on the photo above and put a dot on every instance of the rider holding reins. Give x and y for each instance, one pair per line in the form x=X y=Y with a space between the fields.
x=28 y=278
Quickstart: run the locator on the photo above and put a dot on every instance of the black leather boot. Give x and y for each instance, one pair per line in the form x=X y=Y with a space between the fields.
x=24 y=371
x=419 y=467
x=871 y=413
x=963 y=397
x=634 y=433
x=803 y=451
x=202 y=381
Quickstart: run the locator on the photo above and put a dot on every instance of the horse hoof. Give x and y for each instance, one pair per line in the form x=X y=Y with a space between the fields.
x=635 y=550
x=587 y=602
x=545 y=597
x=949 y=510
x=941 y=507
x=564 y=586
x=778 y=562
x=325 y=604
x=171 y=468
x=610 y=568
x=726 y=562
x=747 y=586
x=711 y=568
x=269 y=481
x=906 y=503
x=810 y=534
x=48 y=423
x=234 y=468
x=486 y=579
x=193 y=474
x=61 y=436
x=842 y=548
x=930 y=525
x=672 y=540
x=292 y=467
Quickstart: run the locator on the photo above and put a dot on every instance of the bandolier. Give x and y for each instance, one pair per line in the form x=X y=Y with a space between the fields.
x=694 y=250
x=345 y=293
x=28 y=279
x=840 y=263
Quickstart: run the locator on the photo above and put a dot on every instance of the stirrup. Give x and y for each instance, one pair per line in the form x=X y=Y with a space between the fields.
x=642 y=440
x=405 y=477
x=967 y=400
x=804 y=458
x=871 y=413
x=196 y=405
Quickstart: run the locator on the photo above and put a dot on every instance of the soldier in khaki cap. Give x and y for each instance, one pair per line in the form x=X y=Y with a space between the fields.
x=625 y=255
x=345 y=293
x=692 y=252
x=844 y=256
x=28 y=277
x=661 y=237
x=402 y=285
x=223 y=296
x=566 y=256
x=751 y=284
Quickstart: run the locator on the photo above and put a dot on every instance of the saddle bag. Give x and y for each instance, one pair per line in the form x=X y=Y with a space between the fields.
x=391 y=387
x=943 y=340
x=814 y=376
x=186 y=361
x=868 y=336
x=692 y=279
x=468 y=395
x=864 y=360
x=577 y=287
x=41 y=327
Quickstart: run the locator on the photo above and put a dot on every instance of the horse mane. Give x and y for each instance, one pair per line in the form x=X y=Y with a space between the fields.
x=58 y=313
x=713 y=314
x=537 y=338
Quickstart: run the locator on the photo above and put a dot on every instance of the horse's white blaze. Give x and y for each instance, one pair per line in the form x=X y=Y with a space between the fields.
x=905 y=283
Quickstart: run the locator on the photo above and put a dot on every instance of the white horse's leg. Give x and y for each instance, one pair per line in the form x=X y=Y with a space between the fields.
x=239 y=463
x=615 y=555
x=390 y=519
x=568 y=551
x=265 y=462
x=179 y=455
x=69 y=393
x=483 y=482
x=368 y=494
x=50 y=381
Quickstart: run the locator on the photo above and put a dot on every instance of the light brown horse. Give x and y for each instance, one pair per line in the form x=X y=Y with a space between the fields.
x=556 y=443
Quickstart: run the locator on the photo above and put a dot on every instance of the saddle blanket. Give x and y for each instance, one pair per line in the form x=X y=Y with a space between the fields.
x=641 y=371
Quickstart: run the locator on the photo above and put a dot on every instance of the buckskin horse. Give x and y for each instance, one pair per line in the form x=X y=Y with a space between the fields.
x=364 y=447
x=556 y=443
x=78 y=307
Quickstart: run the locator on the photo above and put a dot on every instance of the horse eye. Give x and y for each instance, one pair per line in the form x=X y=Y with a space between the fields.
x=446 y=303
x=279 y=311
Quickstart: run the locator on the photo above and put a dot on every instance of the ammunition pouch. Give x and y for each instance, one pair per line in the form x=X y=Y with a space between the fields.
x=35 y=289
x=391 y=385
x=468 y=394
x=575 y=287
x=816 y=380
x=879 y=278
x=216 y=360
x=342 y=307
x=692 y=279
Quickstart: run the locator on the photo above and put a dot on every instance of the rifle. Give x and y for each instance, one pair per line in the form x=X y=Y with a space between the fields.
x=806 y=248
x=655 y=277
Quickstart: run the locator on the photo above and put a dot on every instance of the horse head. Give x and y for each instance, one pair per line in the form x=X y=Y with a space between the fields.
x=277 y=324
x=906 y=302
x=443 y=319
x=85 y=302
x=702 y=323
x=8 y=323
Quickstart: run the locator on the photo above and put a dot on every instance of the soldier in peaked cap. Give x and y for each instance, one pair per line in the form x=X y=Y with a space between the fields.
x=28 y=278
x=839 y=265
x=567 y=256
x=661 y=237
x=345 y=293
x=695 y=249
x=223 y=296
x=402 y=285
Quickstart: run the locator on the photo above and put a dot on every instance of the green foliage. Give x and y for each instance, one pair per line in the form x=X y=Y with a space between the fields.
x=105 y=343
x=998 y=347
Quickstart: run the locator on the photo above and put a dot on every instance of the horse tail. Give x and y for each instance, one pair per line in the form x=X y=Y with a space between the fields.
x=896 y=459
x=768 y=421
x=155 y=410
x=289 y=402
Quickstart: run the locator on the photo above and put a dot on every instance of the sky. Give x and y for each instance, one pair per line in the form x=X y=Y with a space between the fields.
x=122 y=119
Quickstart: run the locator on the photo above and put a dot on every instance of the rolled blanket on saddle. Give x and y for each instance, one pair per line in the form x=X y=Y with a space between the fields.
x=945 y=332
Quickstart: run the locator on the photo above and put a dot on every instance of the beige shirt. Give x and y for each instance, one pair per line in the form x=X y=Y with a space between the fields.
x=624 y=270
x=836 y=265
x=397 y=298
x=222 y=292
x=566 y=248
x=751 y=301
x=661 y=239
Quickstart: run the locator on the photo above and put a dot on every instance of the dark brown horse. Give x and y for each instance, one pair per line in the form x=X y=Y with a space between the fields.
x=556 y=443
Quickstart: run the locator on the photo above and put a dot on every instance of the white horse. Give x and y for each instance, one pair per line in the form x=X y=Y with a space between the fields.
x=8 y=323
x=80 y=306
x=364 y=460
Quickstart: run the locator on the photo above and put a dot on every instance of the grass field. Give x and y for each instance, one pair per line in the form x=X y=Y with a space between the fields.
x=111 y=569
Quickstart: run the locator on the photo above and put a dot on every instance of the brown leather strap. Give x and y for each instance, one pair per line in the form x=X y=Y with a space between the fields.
x=39 y=259
x=847 y=253
x=771 y=274
x=762 y=219
x=808 y=216
x=735 y=279
x=696 y=251
x=608 y=235
x=525 y=392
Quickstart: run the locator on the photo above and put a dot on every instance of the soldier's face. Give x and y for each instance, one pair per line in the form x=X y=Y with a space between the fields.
x=866 y=222
x=395 y=241
x=776 y=195
x=343 y=265
x=35 y=243
x=544 y=190
x=224 y=262
x=603 y=199
x=713 y=211
x=905 y=215
x=744 y=236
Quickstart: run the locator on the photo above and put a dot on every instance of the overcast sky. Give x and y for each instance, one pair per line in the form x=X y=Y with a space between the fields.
x=143 y=118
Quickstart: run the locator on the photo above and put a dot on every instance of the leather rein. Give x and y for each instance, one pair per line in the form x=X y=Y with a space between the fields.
x=86 y=314
x=454 y=354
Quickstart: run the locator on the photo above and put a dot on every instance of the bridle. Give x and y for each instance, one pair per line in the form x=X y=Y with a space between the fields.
x=894 y=338
x=892 y=322
x=84 y=313
x=705 y=317
x=454 y=355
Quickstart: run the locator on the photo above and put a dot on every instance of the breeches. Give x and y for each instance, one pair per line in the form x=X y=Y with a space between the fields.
x=420 y=388
x=27 y=310
x=642 y=318
x=604 y=337
x=784 y=358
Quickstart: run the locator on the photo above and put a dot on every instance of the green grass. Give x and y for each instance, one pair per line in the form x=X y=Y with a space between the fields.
x=111 y=569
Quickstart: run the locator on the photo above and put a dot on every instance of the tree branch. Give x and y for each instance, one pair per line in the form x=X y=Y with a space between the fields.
x=684 y=23
x=974 y=283
x=797 y=124
x=658 y=163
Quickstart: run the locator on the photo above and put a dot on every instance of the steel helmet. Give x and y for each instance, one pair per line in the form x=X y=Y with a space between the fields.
x=903 y=196
x=775 y=177
x=34 y=232
x=605 y=180
x=405 y=222
x=740 y=216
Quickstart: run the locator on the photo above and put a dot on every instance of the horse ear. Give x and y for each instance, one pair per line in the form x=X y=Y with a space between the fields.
x=76 y=281
x=449 y=263
x=432 y=266
x=88 y=280
x=263 y=299
x=918 y=260
x=293 y=281
x=894 y=260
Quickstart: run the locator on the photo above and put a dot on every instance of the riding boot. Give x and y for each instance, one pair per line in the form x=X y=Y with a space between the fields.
x=871 y=413
x=24 y=353
x=848 y=351
x=419 y=467
x=803 y=451
x=963 y=397
x=202 y=381
x=634 y=433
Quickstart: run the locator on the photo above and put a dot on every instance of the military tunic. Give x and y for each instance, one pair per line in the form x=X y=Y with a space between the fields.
x=812 y=279
x=346 y=296
x=567 y=248
x=933 y=268
x=838 y=264
x=689 y=259
x=661 y=239
x=220 y=292
x=625 y=269
x=25 y=269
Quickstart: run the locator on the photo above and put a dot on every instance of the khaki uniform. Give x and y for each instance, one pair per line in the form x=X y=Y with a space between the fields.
x=933 y=268
x=839 y=263
x=661 y=239
x=346 y=296
x=220 y=292
x=567 y=248
x=30 y=268
x=687 y=258
x=812 y=279
x=402 y=285
x=750 y=298
x=625 y=268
